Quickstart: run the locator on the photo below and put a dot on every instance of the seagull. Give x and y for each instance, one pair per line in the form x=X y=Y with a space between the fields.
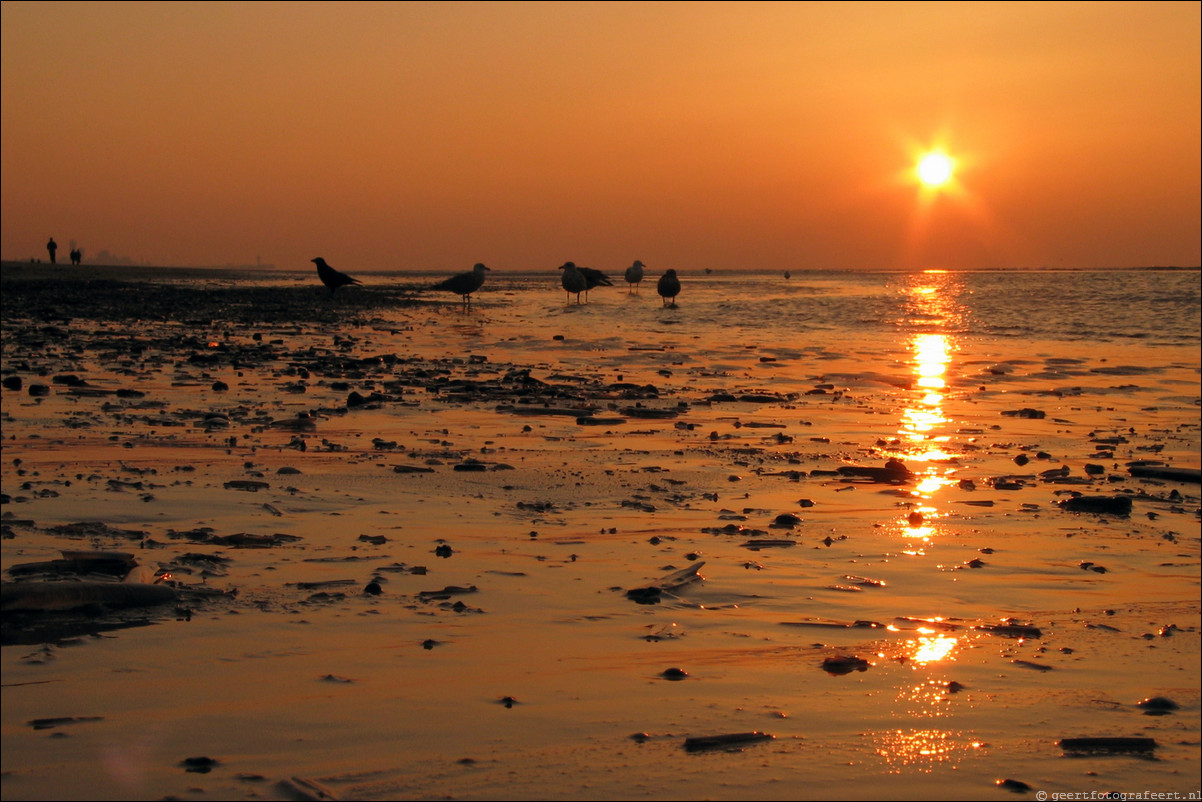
x=669 y=287
x=573 y=280
x=634 y=275
x=594 y=278
x=332 y=278
x=464 y=284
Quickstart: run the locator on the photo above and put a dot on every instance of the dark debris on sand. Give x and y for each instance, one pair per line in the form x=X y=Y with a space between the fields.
x=57 y=301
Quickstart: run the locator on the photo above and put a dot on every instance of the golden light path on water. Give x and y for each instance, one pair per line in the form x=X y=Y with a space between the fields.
x=922 y=748
x=931 y=298
x=923 y=445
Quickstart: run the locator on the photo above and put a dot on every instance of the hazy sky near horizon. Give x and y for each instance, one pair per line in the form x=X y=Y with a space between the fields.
x=431 y=136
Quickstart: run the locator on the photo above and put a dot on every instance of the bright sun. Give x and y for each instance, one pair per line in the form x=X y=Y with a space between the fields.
x=935 y=169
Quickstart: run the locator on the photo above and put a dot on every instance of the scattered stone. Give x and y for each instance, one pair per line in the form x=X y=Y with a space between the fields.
x=894 y=472
x=447 y=592
x=246 y=484
x=1031 y=665
x=729 y=741
x=843 y=664
x=1108 y=746
x=1020 y=631
x=1025 y=412
x=198 y=765
x=51 y=723
x=411 y=469
x=756 y=544
x=652 y=594
x=1014 y=786
x=246 y=540
x=1098 y=505
x=1193 y=475
x=1158 y=706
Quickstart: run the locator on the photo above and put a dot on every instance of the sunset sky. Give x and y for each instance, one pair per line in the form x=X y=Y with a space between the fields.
x=430 y=136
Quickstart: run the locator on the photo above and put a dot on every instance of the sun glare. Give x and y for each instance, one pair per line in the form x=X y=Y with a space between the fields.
x=935 y=169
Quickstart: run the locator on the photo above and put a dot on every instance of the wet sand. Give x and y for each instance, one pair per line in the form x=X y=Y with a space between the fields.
x=505 y=477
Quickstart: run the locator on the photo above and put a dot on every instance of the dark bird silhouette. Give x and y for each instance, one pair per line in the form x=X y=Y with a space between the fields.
x=464 y=284
x=634 y=275
x=332 y=278
x=668 y=287
x=594 y=278
x=573 y=280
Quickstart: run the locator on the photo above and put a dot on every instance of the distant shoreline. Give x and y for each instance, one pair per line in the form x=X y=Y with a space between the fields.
x=13 y=269
x=45 y=270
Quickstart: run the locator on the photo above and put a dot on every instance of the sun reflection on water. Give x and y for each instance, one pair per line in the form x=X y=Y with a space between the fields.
x=930 y=647
x=922 y=750
x=928 y=699
x=925 y=749
x=923 y=439
x=922 y=419
x=925 y=444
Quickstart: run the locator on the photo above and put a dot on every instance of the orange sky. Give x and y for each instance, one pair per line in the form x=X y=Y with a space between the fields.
x=431 y=136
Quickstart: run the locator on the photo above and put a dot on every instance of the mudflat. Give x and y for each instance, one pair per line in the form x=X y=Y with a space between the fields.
x=263 y=541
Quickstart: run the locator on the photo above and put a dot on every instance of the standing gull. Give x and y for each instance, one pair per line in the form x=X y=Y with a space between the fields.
x=594 y=278
x=332 y=278
x=669 y=287
x=464 y=284
x=573 y=280
x=634 y=275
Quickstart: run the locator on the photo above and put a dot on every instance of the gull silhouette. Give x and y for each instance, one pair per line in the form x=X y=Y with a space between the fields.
x=464 y=284
x=332 y=278
x=669 y=287
x=594 y=278
x=634 y=275
x=573 y=280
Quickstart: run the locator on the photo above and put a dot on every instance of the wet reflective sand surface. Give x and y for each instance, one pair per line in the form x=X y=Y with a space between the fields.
x=870 y=477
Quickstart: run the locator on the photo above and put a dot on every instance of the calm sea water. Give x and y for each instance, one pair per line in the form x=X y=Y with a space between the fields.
x=1156 y=307
x=1162 y=305
x=1151 y=308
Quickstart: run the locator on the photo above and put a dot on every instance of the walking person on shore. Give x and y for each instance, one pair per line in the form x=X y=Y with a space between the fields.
x=52 y=247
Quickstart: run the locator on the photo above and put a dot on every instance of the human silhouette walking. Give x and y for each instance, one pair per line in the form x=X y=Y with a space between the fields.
x=52 y=248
